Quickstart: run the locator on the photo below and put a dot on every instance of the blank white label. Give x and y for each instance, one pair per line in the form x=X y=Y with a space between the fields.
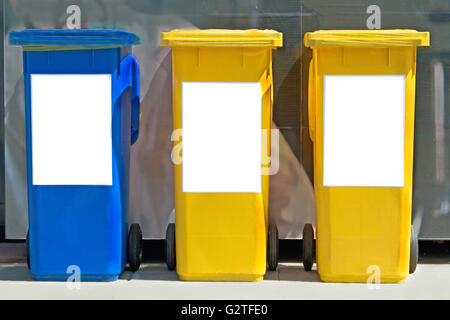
x=221 y=127
x=71 y=129
x=364 y=125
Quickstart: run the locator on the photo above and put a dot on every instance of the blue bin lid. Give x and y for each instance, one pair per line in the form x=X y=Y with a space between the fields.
x=73 y=38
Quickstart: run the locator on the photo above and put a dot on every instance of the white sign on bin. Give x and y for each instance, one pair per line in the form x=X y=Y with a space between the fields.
x=363 y=130
x=71 y=129
x=221 y=136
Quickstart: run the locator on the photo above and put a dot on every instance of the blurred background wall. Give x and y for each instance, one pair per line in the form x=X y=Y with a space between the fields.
x=291 y=192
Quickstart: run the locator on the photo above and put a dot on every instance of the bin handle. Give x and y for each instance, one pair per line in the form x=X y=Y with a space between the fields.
x=311 y=101
x=127 y=76
x=266 y=84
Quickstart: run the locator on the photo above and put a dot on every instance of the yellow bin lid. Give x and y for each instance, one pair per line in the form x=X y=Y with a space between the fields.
x=222 y=38
x=367 y=38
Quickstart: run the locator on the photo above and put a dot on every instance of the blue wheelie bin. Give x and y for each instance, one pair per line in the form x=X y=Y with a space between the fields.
x=82 y=115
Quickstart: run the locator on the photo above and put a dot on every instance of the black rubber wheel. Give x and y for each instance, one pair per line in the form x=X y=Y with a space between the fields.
x=27 y=245
x=134 y=247
x=272 y=247
x=308 y=247
x=414 y=251
x=170 y=247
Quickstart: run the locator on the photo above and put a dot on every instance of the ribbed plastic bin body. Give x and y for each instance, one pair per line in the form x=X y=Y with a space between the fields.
x=363 y=230
x=221 y=236
x=79 y=226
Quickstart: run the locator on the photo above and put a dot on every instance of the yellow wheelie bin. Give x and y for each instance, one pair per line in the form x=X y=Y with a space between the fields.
x=222 y=115
x=361 y=121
